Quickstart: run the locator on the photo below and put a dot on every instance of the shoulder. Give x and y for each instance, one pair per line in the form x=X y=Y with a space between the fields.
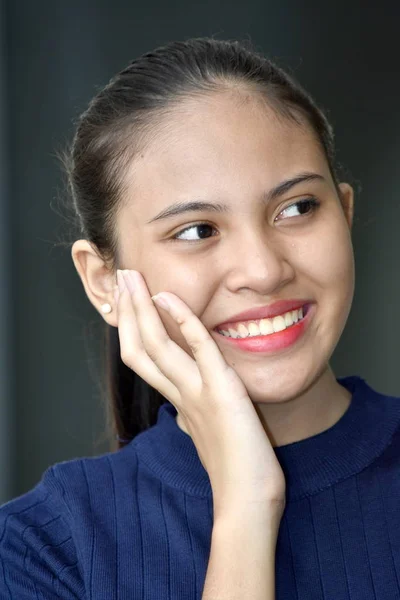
x=37 y=553
x=45 y=533
x=83 y=479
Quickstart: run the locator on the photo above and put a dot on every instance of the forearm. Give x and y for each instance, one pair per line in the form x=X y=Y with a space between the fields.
x=242 y=557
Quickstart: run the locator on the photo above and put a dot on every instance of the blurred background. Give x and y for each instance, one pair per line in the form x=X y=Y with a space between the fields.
x=54 y=56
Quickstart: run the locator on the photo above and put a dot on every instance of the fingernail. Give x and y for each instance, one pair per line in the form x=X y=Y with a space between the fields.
x=120 y=279
x=131 y=278
x=161 y=301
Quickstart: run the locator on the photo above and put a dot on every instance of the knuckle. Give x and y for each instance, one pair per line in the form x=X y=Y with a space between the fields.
x=153 y=353
x=126 y=358
x=199 y=343
x=155 y=348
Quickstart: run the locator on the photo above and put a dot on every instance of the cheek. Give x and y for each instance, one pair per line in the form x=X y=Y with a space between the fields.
x=187 y=284
x=174 y=332
x=328 y=258
x=331 y=269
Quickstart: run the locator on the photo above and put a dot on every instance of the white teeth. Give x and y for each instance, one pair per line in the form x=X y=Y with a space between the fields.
x=231 y=333
x=265 y=326
x=243 y=331
x=288 y=319
x=254 y=329
x=278 y=324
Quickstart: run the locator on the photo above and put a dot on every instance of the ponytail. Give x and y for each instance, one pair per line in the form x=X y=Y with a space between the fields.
x=134 y=403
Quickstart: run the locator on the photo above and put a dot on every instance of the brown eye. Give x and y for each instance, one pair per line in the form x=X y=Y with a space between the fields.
x=306 y=206
x=203 y=230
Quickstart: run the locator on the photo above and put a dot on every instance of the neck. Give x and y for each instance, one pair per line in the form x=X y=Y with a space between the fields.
x=309 y=414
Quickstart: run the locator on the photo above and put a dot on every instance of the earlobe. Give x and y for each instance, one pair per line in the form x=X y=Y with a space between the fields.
x=347 y=202
x=97 y=279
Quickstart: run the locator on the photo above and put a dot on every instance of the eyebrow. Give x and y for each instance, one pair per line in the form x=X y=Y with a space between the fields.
x=179 y=208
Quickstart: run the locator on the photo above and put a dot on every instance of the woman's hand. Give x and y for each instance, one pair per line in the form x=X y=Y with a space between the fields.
x=209 y=396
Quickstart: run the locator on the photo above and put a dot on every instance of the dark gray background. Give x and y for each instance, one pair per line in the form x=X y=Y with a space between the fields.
x=54 y=57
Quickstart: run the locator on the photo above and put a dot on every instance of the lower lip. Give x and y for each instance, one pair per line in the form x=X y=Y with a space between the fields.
x=275 y=341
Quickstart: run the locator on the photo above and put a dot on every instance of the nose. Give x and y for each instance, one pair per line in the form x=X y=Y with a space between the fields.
x=260 y=262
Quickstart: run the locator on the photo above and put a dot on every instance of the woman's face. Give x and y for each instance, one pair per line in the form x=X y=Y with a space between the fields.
x=221 y=150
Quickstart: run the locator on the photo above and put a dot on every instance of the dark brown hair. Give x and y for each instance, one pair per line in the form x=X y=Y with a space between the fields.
x=117 y=124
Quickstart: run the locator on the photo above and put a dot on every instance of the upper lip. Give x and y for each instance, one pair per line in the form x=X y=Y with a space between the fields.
x=265 y=312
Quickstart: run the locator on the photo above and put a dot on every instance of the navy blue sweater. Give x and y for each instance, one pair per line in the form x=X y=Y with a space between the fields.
x=136 y=524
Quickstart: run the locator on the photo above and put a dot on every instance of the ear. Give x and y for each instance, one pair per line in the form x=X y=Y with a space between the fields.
x=99 y=282
x=347 y=202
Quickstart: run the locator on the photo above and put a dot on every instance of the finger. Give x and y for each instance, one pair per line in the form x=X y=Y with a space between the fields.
x=172 y=361
x=133 y=353
x=209 y=361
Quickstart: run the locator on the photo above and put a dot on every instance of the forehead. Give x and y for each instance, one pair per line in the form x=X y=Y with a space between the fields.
x=224 y=144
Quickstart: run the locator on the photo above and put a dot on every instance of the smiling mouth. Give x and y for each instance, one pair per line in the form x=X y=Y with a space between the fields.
x=264 y=327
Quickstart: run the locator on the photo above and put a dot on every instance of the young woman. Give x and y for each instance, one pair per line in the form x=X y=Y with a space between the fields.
x=215 y=240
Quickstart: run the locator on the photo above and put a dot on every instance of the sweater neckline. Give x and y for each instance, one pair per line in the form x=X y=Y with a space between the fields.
x=310 y=465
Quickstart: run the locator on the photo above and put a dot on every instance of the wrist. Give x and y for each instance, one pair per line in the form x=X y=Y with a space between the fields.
x=246 y=512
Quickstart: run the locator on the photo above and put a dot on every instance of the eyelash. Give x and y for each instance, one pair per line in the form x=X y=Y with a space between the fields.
x=312 y=201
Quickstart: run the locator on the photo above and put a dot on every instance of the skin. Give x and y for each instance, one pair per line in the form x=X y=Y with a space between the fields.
x=254 y=256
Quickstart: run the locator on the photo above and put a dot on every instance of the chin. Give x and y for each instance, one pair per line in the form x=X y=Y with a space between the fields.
x=274 y=385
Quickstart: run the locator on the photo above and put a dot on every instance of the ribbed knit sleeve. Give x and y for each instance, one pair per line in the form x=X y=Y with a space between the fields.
x=38 y=558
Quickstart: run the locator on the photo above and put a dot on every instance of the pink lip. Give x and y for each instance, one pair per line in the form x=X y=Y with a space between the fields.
x=275 y=342
x=264 y=312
